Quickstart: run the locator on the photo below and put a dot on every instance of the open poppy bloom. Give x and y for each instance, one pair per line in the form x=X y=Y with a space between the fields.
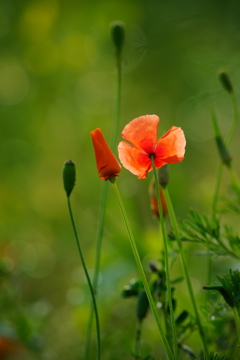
x=107 y=163
x=142 y=135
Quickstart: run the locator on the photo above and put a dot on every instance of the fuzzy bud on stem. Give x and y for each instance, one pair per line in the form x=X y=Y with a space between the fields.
x=225 y=81
x=163 y=175
x=69 y=176
x=142 y=305
x=222 y=149
x=118 y=35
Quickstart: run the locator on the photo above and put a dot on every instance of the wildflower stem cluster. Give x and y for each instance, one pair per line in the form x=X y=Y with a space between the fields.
x=184 y=267
x=118 y=40
x=141 y=271
x=164 y=237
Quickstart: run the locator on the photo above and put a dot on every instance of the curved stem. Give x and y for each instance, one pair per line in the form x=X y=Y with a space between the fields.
x=118 y=104
x=216 y=188
x=237 y=321
x=184 y=266
x=102 y=207
x=219 y=176
x=88 y=279
x=138 y=339
x=141 y=271
x=164 y=236
x=235 y=119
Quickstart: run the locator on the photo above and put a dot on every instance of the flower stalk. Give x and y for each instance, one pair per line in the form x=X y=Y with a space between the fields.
x=174 y=223
x=141 y=271
x=69 y=179
x=164 y=237
x=117 y=31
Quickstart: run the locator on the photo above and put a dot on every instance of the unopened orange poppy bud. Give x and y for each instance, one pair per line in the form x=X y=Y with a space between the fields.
x=153 y=200
x=107 y=164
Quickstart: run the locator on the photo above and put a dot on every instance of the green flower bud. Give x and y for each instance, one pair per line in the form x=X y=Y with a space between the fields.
x=153 y=267
x=222 y=149
x=227 y=297
x=180 y=319
x=225 y=81
x=118 y=36
x=163 y=175
x=69 y=176
x=142 y=305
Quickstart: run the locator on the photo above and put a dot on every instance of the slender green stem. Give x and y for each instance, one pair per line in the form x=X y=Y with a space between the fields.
x=88 y=279
x=235 y=119
x=208 y=274
x=219 y=176
x=214 y=208
x=227 y=142
x=141 y=271
x=164 y=237
x=102 y=208
x=118 y=104
x=237 y=321
x=138 y=339
x=184 y=266
x=216 y=187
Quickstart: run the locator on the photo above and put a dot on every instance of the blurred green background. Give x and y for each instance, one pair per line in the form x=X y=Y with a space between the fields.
x=57 y=83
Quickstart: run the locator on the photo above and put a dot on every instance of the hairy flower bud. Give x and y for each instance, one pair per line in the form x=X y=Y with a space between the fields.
x=142 y=305
x=225 y=81
x=118 y=36
x=222 y=148
x=69 y=176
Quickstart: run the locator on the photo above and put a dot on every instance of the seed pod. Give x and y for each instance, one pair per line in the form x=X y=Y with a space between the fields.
x=223 y=151
x=153 y=199
x=69 y=176
x=142 y=305
x=180 y=319
x=163 y=175
x=225 y=81
x=118 y=36
x=153 y=267
x=222 y=148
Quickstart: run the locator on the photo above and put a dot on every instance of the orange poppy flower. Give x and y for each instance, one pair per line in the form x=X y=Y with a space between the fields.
x=142 y=135
x=107 y=163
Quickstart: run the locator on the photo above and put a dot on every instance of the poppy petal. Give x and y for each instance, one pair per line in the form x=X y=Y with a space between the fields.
x=135 y=160
x=170 y=147
x=142 y=132
x=107 y=163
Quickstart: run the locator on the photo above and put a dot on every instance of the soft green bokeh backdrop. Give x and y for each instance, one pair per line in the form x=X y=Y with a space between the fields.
x=57 y=83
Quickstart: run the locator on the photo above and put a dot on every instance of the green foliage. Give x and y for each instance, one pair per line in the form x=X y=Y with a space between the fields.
x=231 y=283
x=231 y=203
x=208 y=231
x=215 y=356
